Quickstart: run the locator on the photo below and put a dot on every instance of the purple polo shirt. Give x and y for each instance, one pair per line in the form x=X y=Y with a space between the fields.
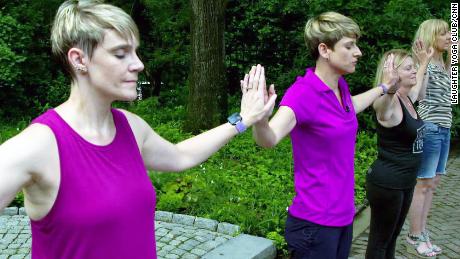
x=323 y=145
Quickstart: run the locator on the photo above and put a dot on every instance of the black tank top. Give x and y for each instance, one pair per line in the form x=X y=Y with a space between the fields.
x=399 y=153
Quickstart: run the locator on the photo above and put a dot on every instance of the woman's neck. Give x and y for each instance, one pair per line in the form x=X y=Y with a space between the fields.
x=403 y=92
x=85 y=109
x=327 y=74
x=437 y=59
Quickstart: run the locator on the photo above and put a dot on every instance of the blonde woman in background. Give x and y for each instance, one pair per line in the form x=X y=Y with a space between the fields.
x=391 y=179
x=436 y=111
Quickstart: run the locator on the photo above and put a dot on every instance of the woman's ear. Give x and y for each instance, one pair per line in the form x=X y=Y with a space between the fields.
x=77 y=59
x=324 y=51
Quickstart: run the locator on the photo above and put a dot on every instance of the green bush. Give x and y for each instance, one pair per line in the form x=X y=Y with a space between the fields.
x=365 y=154
x=7 y=131
x=241 y=184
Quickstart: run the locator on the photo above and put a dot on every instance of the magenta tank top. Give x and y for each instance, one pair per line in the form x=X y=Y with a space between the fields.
x=105 y=206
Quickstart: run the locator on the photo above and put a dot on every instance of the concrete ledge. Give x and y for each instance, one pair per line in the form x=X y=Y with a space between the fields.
x=228 y=229
x=361 y=222
x=208 y=224
x=10 y=211
x=244 y=247
x=183 y=219
x=164 y=216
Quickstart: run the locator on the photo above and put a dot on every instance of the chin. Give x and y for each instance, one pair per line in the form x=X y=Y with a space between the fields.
x=349 y=71
x=127 y=97
x=131 y=98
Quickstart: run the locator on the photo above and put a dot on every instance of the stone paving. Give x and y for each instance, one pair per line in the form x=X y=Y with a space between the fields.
x=178 y=236
x=443 y=220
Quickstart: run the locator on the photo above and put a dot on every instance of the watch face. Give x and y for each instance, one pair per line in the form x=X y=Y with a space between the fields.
x=234 y=118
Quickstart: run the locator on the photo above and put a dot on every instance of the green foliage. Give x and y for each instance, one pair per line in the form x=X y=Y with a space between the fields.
x=10 y=60
x=269 y=32
x=241 y=184
x=279 y=241
x=7 y=131
x=10 y=129
x=165 y=49
x=455 y=128
x=365 y=155
x=25 y=56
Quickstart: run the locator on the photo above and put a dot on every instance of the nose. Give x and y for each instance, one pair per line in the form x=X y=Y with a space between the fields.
x=136 y=65
x=358 y=53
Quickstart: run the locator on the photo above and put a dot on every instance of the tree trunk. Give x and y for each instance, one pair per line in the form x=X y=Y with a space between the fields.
x=207 y=101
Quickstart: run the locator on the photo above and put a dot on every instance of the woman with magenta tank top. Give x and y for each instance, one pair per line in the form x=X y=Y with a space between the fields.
x=83 y=165
x=320 y=114
x=391 y=179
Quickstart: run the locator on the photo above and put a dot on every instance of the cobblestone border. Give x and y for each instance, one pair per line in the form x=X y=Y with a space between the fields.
x=165 y=216
x=12 y=211
x=198 y=222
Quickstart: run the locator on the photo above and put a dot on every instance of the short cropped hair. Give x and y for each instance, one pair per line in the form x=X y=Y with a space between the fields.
x=399 y=56
x=83 y=23
x=328 y=28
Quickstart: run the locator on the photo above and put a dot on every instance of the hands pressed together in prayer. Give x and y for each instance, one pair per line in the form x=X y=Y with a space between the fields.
x=257 y=102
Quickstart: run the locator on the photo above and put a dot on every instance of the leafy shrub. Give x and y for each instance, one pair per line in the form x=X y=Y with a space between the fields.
x=365 y=154
x=7 y=131
x=242 y=183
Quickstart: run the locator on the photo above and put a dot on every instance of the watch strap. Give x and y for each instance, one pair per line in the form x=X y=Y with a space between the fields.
x=384 y=88
x=240 y=127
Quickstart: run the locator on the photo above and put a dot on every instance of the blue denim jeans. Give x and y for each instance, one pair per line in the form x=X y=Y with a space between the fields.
x=436 y=143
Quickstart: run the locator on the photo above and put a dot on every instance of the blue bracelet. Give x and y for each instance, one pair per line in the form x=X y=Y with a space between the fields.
x=384 y=88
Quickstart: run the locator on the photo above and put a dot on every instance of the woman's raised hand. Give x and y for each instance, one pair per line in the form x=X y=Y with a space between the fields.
x=257 y=102
x=390 y=74
x=421 y=53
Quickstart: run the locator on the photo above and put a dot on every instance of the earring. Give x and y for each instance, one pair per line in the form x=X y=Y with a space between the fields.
x=81 y=68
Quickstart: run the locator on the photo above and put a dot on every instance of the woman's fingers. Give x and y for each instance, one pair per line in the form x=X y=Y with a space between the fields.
x=244 y=83
x=251 y=77
x=256 y=80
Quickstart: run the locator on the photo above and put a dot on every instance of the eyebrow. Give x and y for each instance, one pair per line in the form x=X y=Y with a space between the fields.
x=352 y=42
x=122 y=46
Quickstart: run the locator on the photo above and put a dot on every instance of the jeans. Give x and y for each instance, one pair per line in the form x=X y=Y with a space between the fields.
x=307 y=240
x=435 y=151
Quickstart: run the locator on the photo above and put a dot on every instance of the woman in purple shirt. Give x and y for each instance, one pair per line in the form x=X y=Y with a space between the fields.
x=320 y=114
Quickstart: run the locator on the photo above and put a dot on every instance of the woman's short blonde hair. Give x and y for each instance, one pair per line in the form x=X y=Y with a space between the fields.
x=399 y=56
x=83 y=23
x=328 y=28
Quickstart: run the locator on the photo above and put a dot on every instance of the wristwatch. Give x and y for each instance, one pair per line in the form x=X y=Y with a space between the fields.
x=236 y=120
